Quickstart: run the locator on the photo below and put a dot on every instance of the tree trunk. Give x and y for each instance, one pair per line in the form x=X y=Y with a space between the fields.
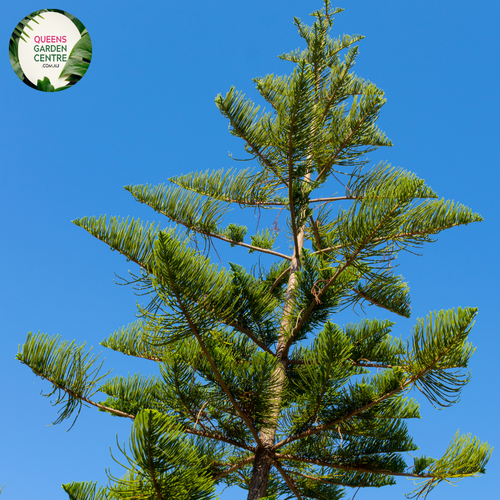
x=263 y=460
x=260 y=475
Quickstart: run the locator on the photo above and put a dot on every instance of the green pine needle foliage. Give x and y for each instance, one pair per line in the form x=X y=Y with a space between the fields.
x=258 y=383
x=263 y=239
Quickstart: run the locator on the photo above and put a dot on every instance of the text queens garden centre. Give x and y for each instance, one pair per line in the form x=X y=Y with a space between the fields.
x=50 y=49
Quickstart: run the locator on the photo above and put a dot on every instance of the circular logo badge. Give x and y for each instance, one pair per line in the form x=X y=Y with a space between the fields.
x=50 y=50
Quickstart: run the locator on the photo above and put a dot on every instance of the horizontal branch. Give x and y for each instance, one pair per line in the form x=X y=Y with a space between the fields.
x=252 y=203
x=322 y=480
x=335 y=198
x=218 y=437
x=367 y=364
x=222 y=237
x=395 y=237
x=246 y=245
x=353 y=468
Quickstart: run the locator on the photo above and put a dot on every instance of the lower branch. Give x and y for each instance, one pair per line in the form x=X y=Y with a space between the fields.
x=350 y=468
x=318 y=479
x=288 y=480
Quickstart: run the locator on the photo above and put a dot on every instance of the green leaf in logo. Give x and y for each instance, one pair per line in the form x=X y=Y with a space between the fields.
x=45 y=85
x=79 y=59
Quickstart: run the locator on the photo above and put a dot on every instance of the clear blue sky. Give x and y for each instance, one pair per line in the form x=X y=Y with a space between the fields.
x=145 y=111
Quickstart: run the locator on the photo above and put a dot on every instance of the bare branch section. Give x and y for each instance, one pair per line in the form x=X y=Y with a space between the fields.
x=244 y=245
x=360 y=363
x=316 y=478
x=226 y=239
x=335 y=198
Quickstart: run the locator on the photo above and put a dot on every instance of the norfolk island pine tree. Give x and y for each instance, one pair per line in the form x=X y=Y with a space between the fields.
x=259 y=386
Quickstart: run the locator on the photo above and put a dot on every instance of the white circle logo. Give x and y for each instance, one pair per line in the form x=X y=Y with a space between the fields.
x=50 y=50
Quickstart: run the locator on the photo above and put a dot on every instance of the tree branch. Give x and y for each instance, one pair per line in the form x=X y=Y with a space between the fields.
x=369 y=364
x=353 y=468
x=287 y=479
x=336 y=198
x=241 y=244
x=318 y=479
x=235 y=467
x=342 y=146
x=375 y=302
x=248 y=333
x=251 y=336
x=178 y=391
x=256 y=150
x=217 y=374
x=392 y=238
x=218 y=437
x=314 y=478
x=119 y=413
x=149 y=358
x=323 y=390
x=279 y=278
x=332 y=97
x=81 y=398
x=315 y=231
x=353 y=413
